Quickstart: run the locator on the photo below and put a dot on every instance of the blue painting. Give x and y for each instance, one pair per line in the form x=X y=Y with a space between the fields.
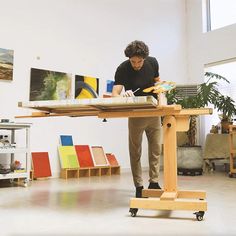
x=66 y=140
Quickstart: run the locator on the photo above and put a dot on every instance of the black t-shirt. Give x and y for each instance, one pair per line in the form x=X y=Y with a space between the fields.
x=131 y=79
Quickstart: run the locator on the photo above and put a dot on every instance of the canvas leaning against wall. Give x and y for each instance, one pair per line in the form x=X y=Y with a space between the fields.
x=49 y=85
x=6 y=64
x=86 y=87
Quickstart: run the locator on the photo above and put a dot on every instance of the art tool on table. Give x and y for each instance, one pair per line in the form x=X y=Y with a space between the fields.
x=136 y=90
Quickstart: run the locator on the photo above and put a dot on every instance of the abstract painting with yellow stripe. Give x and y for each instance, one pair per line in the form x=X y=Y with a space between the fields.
x=86 y=87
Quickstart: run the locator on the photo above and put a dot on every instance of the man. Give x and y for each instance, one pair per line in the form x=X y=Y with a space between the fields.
x=135 y=74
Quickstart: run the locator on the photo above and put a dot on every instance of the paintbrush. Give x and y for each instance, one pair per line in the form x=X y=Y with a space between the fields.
x=136 y=90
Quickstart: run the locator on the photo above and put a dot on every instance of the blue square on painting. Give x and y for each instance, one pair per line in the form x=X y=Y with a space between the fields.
x=110 y=84
x=66 y=140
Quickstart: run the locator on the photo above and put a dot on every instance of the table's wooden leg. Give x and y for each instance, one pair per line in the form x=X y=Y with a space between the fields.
x=170 y=198
x=170 y=159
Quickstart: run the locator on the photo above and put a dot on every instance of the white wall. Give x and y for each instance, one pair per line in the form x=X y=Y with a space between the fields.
x=86 y=37
x=206 y=48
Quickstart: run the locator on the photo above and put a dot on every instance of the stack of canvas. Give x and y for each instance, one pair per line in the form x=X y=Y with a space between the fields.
x=82 y=156
x=67 y=153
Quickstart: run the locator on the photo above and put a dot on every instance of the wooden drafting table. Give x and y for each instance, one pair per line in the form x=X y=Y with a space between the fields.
x=174 y=119
x=88 y=107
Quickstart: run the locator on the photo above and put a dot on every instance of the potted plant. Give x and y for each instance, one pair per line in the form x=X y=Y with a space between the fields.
x=207 y=93
x=226 y=106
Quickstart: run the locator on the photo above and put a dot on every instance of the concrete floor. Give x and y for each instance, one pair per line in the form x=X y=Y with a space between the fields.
x=100 y=205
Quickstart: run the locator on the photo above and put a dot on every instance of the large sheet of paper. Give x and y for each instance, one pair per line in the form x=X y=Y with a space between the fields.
x=92 y=104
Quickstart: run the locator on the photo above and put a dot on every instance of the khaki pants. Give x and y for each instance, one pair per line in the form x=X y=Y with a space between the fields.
x=152 y=128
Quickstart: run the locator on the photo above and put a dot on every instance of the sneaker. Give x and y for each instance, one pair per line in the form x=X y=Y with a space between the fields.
x=154 y=186
x=139 y=191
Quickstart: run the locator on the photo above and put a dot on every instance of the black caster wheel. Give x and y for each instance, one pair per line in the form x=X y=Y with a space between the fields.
x=199 y=215
x=25 y=182
x=133 y=211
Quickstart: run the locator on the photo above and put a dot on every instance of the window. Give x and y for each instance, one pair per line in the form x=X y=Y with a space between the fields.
x=226 y=69
x=220 y=13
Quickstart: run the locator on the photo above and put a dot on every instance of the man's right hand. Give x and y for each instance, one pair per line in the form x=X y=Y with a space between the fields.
x=128 y=93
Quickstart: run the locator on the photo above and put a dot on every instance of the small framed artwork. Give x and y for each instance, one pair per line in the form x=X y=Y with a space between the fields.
x=86 y=87
x=112 y=159
x=99 y=156
x=6 y=64
x=66 y=140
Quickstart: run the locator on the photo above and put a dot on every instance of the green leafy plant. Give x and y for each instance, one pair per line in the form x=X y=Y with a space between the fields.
x=207 y=93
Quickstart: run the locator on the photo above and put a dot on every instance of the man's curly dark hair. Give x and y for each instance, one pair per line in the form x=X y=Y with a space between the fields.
x=137 y=48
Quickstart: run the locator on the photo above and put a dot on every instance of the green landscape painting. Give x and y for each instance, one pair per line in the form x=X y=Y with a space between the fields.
x=49 y=85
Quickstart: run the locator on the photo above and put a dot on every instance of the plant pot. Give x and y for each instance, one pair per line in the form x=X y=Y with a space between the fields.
x=189 y=157
x=225 y=126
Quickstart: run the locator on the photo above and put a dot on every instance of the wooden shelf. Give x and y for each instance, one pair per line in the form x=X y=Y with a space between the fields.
x=95 y=171
x=69 y=173
x=90 y=171
x=115 y=170
x=84 y=172
x=106 y=170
